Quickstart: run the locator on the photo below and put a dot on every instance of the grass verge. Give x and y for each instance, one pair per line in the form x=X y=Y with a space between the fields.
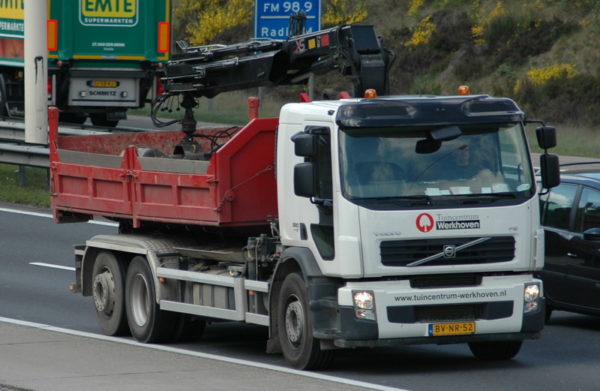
x=35 y=190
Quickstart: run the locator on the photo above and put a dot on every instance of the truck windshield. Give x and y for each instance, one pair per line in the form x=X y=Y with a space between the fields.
x=482 y=163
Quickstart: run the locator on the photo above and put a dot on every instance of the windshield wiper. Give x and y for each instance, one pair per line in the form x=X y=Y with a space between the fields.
x=422 y=198
x=489 y=195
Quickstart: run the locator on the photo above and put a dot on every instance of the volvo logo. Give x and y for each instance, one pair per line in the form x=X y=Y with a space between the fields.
x=449 y=251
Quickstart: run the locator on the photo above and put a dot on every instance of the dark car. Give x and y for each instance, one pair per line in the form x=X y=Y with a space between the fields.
x=571 y=219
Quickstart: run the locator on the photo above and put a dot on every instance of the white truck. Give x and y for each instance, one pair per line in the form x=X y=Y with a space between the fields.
x=340 y=224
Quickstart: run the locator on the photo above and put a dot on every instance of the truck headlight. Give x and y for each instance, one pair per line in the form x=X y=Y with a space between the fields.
x=363 y=300
x=531 y=297
x=364 y=304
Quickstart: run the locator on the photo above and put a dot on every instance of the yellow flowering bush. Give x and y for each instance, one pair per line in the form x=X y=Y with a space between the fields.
x=343 y=12
x=413 y=7
x=422 y=33
x=212 y=17
x=478 y=30
x=540 y=76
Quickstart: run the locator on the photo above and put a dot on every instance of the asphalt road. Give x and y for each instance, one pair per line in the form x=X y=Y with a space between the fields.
x=566 y=358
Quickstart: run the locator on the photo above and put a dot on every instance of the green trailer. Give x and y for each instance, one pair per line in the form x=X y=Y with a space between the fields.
x=104 y=56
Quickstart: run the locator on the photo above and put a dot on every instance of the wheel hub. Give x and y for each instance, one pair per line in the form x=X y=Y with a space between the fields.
x=294 y=322
x=104 y=292
x=140 y=300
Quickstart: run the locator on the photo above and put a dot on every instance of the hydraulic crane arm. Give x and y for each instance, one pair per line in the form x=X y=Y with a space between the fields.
x=354 y=50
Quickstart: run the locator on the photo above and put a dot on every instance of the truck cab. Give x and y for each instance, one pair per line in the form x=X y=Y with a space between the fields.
x=414 y=220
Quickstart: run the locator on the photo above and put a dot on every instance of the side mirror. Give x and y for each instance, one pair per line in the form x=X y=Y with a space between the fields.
x=550 y=170
x=305 y=144
x=304 y=180
x=592 y=234
x=546 y=137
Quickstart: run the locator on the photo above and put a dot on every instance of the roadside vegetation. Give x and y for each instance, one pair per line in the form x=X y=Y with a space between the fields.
x=545 y=54
x=34 y=191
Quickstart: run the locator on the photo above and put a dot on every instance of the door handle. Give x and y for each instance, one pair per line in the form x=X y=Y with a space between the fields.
x=572 y=255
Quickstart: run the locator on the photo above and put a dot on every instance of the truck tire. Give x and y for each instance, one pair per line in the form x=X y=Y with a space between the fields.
x=294 y=324
x=147 y=322
x=99 y=119
x=495 y=350
x=73 y=118
x=108 y=291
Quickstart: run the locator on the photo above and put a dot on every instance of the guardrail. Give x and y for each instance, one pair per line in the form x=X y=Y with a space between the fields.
x=13 y=150
x=24 y=155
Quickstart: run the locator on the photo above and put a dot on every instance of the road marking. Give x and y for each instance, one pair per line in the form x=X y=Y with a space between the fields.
x=49 y=216
x=52 y=266
x=169 y=349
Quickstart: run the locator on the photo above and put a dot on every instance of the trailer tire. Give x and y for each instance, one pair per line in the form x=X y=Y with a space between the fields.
x=72 y=118
x=108 y=291
x=147 y=322
x=495 y=350
x=99 y=119
x=3 y=98
x=294 y=324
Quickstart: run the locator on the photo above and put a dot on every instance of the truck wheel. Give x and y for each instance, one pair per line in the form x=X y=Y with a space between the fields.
x=496 y=350
x=73 y=118
x=146 y=321
x=299 y=346
x=99 y=119
x=108 y=279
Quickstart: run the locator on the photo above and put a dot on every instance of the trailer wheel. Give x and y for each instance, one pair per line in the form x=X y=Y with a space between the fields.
x=99 y=119
x=73 y=118
x=146 y=321
x=108 y=282
x=3 y=98
x=294 y=324
x=495 y=350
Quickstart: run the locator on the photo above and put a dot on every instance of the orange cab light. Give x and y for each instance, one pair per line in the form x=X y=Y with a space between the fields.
x=164 y=32
x=464 y=90
x=52 y=31
x=370 y=94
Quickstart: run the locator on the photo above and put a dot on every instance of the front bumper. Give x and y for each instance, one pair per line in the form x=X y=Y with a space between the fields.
x=404 y=315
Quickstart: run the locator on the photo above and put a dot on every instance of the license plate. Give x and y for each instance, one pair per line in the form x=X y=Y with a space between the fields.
x=457 y=328
x=103 y=83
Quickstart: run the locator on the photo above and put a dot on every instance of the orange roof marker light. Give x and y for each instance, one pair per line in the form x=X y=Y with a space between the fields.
x=370 y=93
x=464 y=90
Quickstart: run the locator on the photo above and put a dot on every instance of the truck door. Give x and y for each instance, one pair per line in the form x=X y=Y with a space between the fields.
x=313 y=179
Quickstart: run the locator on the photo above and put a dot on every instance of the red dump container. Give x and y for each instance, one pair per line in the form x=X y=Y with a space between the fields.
x=131 y=176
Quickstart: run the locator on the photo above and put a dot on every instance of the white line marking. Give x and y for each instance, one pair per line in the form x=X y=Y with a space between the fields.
x=49 y=216
x=52 y=266
x=208 y=356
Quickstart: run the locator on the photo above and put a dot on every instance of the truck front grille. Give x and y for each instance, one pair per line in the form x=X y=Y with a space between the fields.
x=450 y=313
x=405 y=252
